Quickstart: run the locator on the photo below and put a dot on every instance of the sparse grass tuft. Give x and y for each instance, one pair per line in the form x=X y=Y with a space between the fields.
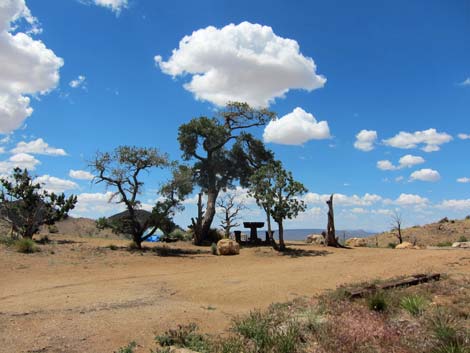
x=185 y=336
x=444 y=244
x=462 y=239
x=128 y=349
x=414 y=304
x=26 y=246
x=450 y=338
x=377 y=301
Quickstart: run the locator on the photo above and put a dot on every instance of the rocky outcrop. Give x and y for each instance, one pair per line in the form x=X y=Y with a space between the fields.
x=356 y=242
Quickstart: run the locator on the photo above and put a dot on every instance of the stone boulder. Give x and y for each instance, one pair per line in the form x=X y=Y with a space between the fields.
x=316 y=239
x=405 y=245
x=356 y=242
x=461 y=244
x=228 y=247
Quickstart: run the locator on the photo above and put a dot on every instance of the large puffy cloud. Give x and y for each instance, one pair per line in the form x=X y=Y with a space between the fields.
x=426 y=175
x=296 y=128
x=80 y=174
x=411 y=200
x=28 y=66
x=460 y=205
x=54 y=184
x=20 y=160
x=407 y=161
x=92 y=204
x=38 y=146
x=430 y=140
x=245 y=62
x=365 y=140
x=343 y=200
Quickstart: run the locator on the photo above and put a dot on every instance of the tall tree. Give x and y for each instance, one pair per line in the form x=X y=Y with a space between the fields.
x=26 y=206
x=397 y=223
x=215 y=145
x=122 y=170
x=230 y=208
x=276 y=191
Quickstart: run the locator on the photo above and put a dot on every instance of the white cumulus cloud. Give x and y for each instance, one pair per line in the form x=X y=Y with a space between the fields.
x=426 y=174
x=56 y=185
x=465 y=82
x=365 y=140
x=80 y=174
x=28 y=67
x=407 y=161
x=245 y=62
x=96 y=204
x=430 y=140
x=463 y=180
x=296 y=128
x=386 y=165
x=20 y=160
x=80 y=81
x=464 y=136
x=114 y=5
x=411 y=200
x=38 y=146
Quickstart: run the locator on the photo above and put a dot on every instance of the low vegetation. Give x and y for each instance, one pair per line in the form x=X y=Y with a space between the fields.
x=398 y=320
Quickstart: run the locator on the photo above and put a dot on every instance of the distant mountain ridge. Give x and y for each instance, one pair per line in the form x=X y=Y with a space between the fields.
x=301 y=234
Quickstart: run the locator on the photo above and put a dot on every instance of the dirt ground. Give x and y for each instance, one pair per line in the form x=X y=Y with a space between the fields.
x=83 y=297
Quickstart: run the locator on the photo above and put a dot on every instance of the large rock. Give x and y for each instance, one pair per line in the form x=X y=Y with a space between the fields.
x=356 y=242
x=461 y=244
x=228 y=247
x=317 y=239
x=405 y=245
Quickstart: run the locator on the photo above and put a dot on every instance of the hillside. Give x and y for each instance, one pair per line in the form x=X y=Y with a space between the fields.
x=443 y=231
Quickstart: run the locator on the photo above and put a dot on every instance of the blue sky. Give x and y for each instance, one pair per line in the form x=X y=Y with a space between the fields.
x=390 y=67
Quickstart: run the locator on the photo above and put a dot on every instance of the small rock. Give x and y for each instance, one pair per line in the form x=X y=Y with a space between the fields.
x=356 y=242
x=461 y=244
x=405 y=245
x=317 y=239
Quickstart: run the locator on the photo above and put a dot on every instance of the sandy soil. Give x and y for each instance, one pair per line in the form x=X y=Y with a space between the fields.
x=82 y=297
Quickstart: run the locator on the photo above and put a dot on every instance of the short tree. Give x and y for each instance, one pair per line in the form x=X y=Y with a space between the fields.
x=26 y=206
x=230 y=210
x=122 y=169
x=397 y=223
x=214 y=144
x=276 y=191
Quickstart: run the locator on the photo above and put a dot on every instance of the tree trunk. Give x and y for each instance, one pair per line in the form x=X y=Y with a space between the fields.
x=209 y=214
x=331 y=239
x=282 y=246
x=270 y=232
x=197 y=224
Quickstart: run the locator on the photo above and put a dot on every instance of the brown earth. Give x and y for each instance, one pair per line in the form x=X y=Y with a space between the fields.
x=433 y=234
x=83 y=297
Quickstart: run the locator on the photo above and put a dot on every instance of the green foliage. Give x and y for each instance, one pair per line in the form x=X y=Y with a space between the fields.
x=113 y=247
x=462 y=239
x=176 y=235
x=214 y=249
x=377 y=301
x=391 y=245
x=121 y=170
x=128 y=349
x=414 y=304
x=444 y=244
x=255 y=327
x=102 y=223
x=26 y=246
x=7 y=241
x=185 y=336
x=26 y=206
x=450 y=339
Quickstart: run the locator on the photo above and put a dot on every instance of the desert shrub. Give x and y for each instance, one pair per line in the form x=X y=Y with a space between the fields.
x=414 y=304
x=26 y=246
x=214 y=249
x=128 y=349
x=185 y=336
x=377 y=301
x=444 y=244
x=176 y=235
x=7 y=241
x=230 y=345
x=450 y=339
x=53 y=229
x=113 y=247
x=254 y=327
x=462 y=239
x=391 y=245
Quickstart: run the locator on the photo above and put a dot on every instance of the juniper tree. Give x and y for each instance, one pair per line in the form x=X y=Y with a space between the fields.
x=26 y=206
x=122 y=171
x=219 y=148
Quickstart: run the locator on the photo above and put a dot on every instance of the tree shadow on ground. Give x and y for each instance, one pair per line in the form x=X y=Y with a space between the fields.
x=295 y=253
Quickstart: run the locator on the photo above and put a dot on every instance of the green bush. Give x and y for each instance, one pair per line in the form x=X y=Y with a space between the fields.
x=391 y=245
x=463 y=239
x=255 y=327
x=26 y=246
x=185 y=336
x=377 y=301
x=176 y=235
x=446 y=332
x=214 y=249
x=7 y=241
x=113 y=247
x=128 y=349
x=414 y=304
